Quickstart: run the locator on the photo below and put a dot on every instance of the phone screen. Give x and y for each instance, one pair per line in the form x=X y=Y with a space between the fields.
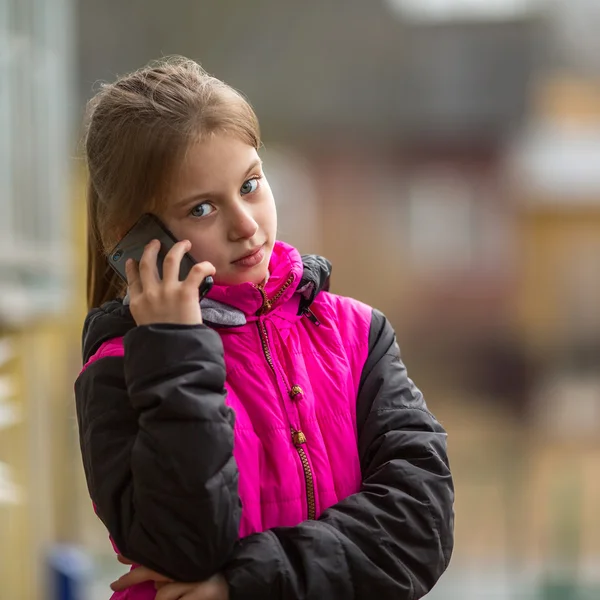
x=148 y=228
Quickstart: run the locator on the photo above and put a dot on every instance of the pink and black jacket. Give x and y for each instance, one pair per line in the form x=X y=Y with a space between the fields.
x=281 y=443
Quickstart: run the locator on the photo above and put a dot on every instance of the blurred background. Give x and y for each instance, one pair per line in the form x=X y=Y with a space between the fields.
x=444 y=154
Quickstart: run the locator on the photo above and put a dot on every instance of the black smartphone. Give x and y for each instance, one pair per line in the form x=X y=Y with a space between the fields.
x=149 y=227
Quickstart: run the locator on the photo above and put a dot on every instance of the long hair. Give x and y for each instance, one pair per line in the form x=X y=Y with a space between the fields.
x=138 y=131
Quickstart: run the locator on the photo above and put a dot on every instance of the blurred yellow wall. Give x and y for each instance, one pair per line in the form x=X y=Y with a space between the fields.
x=42 y=362
x=554 y=248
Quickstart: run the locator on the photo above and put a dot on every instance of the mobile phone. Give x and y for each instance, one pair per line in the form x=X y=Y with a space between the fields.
x=149 y=227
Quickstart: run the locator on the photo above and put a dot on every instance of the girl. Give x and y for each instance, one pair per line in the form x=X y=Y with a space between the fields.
x=271 y=444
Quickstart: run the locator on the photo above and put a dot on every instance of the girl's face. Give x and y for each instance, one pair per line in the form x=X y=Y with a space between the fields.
x=222 y=203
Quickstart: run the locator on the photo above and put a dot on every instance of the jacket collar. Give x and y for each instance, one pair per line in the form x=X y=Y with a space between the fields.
x=288 y=273
x=307 y=275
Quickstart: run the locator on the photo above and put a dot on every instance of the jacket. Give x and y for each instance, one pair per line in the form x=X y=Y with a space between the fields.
x=290 y=451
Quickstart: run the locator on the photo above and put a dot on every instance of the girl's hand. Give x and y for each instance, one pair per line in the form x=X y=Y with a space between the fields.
x=169 y=300
x=215 y=588
x=138 y=575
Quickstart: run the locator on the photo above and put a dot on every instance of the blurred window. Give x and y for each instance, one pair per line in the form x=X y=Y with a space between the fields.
x=456 y=223
x=431 y=11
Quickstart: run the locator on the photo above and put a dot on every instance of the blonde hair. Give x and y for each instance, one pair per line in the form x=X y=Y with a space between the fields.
x=138 y=130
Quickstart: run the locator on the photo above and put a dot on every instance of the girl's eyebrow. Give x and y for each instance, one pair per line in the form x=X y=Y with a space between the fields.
x=205 y=195
x=257 y=163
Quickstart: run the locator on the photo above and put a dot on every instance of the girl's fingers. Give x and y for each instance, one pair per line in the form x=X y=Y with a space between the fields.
x=136 y=576
x=134 y=281
x=148 y=265
x=172 y=262
x=168 y=301
x=198 y=274
x=174 y=591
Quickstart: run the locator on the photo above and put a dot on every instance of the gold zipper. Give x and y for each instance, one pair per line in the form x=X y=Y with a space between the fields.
x=299 y=440
x=268 y=302
x=298 y=437
x=265 y=345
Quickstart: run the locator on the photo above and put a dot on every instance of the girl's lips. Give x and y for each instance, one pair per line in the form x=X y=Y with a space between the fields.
x=252 y=260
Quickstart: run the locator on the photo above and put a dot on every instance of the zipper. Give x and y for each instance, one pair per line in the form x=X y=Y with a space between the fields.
x=298 y=437
x=268 y=302
x=262 y=330
x=299 y=440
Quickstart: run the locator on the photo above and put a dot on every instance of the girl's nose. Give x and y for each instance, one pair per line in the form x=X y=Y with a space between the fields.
x=242 y=225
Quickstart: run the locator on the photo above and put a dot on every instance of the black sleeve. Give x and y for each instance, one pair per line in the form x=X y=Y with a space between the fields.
x=394 y=538
x=157 y=442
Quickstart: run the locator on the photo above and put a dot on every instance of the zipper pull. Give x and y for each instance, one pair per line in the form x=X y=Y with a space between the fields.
x=310 y=315
x=298 y=438
x=296 y=393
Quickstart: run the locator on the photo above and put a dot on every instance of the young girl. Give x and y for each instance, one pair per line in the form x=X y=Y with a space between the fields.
x=265 y=442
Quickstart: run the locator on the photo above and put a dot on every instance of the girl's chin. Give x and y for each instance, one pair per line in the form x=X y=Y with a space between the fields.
x=255 y=276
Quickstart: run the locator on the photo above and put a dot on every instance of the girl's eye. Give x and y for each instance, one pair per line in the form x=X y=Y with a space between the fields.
x=201 y=210
x=249 y=186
